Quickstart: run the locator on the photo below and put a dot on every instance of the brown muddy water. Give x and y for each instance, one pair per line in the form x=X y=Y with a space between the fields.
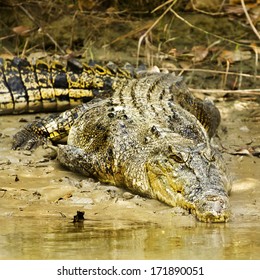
x=38 y=199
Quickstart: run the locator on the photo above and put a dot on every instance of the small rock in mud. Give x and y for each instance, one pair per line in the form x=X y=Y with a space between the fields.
x=79 y=217
x=27 y=153
x=37 y=194
x=42 y=162
x=23 y=120
x=128 y=195
x=244 y=128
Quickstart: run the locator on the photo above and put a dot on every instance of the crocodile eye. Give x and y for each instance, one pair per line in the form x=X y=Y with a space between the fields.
x=176 y=157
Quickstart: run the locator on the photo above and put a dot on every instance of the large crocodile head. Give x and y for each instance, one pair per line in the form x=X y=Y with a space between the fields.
x=190 y=176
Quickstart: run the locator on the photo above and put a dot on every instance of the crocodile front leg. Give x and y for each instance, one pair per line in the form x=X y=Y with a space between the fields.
x=52 y=128
x=75 y=159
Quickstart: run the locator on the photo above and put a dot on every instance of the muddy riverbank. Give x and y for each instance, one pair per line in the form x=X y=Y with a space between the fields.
x=38 y=199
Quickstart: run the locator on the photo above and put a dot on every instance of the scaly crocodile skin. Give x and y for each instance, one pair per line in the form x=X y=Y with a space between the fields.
x=149 y=135
x=43 y=87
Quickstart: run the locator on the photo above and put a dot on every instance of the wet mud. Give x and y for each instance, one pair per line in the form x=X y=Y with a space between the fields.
x=39 y=198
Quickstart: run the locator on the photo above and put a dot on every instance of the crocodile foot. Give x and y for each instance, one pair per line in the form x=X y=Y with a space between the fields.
x=27 y=139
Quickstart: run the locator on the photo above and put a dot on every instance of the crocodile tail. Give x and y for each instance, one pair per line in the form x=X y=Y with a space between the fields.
x=45 y=87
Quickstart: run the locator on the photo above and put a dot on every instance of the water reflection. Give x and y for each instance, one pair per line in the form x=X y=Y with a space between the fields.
x=61 y=239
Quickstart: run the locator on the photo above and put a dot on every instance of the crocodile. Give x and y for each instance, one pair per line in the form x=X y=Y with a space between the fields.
x=148 y=134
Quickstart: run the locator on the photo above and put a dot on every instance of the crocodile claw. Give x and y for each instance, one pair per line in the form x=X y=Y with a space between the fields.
x=27 y=139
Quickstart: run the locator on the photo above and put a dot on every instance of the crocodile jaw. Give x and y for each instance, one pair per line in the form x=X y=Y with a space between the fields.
x=213 y=208
x=207 y=208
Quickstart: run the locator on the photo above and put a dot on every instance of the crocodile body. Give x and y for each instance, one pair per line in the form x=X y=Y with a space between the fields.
x=148 y=134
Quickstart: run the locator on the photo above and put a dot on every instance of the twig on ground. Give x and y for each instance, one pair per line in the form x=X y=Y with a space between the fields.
x=226 y=74
x=224 y=91
x=25 y=47
x=256 y=50
x=249 y=19
x=7 y=37
x=54 y=42
x=28 y=15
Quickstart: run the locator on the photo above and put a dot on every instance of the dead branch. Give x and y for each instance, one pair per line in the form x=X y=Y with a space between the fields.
x=249 y=20
x=223 y=91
